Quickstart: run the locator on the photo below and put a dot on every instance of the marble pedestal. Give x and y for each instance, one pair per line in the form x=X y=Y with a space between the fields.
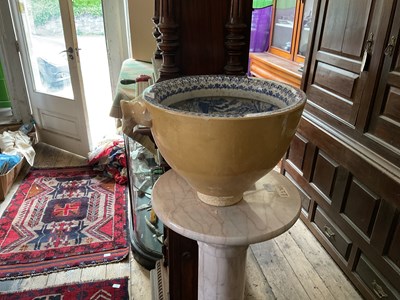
x=223 y=234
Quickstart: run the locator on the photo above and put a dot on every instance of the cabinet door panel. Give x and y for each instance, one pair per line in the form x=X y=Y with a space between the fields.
x=297 y=152
x=393 y=252
x=360 y=206
x=324 y=176
x=346 y=24
x=374 y=280
x=385 y=120
x=335 y=82
x=331 y=232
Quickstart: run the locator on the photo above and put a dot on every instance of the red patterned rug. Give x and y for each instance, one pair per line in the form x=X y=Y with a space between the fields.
x=61 y=219
x=116 y=289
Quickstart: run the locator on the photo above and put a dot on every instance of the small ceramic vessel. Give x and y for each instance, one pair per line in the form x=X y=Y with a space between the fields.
x=220 y=133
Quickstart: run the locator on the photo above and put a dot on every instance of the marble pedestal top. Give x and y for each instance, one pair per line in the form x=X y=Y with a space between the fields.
x=267 y=210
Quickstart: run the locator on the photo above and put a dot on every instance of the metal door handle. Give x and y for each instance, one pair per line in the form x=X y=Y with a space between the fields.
x=390 y=47
x=328 y=231
x=70 y=50
x=378 y=290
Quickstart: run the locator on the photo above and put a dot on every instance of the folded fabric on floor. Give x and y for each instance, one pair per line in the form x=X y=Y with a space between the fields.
x=109 y=157
x=17 y=143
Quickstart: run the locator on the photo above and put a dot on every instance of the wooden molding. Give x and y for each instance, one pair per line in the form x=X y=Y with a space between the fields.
x=269 y=66
x=235 y=39
x=156 y=32
x=169 y=43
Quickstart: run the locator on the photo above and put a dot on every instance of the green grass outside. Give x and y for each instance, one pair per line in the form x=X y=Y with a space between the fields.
x=45 y=10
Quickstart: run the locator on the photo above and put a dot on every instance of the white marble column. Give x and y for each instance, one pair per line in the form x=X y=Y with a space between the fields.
x=222 y=271
x=223 y=234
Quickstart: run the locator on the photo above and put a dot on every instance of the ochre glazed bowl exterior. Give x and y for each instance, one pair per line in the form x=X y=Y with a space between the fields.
x=222 y=155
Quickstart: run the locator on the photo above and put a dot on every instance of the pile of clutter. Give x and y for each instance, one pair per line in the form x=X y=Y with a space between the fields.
x=109 y=157
x=14 y=146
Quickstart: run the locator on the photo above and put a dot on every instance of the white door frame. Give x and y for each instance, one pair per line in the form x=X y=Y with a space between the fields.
x=117 y=47
x=62 y=122
x=12 y=67
x=117 y=37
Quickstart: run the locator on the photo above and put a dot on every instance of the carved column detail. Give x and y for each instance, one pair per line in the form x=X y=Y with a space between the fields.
x=156 y=32
x=235 y=41
x=169 y=43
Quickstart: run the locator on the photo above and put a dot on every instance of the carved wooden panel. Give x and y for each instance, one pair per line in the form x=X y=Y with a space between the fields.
x=354 y=205
x=324 y=175
x=204 y=37
x=335 y=79
x=334 y=83
x=350 y=165
x=336 y=237
x=385 y=121
x=297 y=151
x=376 y=283
x=343 y=33
x=360 y=205
x=393 y=252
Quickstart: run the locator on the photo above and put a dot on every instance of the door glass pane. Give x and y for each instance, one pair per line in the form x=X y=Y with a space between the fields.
x=283 y=25
x=93 y=56
x=46 y=45
x=305 y=27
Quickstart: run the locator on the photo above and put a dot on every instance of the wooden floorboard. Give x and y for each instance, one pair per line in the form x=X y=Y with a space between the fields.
x=291 y=266
x=257 y=287
x=334 y=279
x=305 y=273
x=296 y=266
x=278 y=272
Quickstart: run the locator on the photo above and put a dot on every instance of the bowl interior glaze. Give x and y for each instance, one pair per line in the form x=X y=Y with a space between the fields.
x=225 y=96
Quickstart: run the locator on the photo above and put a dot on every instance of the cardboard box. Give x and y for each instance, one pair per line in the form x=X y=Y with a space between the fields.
x=8 y=179
x=141 y=29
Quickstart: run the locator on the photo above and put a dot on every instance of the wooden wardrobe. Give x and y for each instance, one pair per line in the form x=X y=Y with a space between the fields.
x=345 y=157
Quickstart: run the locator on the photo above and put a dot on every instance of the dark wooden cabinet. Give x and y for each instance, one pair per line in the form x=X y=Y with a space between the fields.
x=203 y=36
x=197 y=37
x=345 y=157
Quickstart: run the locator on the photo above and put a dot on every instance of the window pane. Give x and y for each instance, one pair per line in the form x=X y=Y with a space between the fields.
x=46 y=45
x=89 y=23
x=283 y=28
x=305 y=27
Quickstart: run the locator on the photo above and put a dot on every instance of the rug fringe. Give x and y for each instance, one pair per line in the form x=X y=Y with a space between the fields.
x=66 y=284
x=65 y=269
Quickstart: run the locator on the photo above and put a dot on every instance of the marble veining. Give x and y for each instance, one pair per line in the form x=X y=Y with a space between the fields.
x=219 y=267
x=264 y=213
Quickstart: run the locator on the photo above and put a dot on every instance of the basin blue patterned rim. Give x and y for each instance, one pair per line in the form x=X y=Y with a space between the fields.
x=158 y=94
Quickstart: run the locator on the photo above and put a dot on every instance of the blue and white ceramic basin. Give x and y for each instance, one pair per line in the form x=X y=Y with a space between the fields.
x=221 y=133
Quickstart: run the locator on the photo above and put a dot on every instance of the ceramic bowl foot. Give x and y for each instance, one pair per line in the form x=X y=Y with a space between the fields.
x=219 y=201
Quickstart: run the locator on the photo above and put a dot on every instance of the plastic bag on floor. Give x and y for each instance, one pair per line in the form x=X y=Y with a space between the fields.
x=7 y=162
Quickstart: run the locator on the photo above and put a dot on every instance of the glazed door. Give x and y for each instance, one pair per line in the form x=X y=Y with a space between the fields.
x=50 y=57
